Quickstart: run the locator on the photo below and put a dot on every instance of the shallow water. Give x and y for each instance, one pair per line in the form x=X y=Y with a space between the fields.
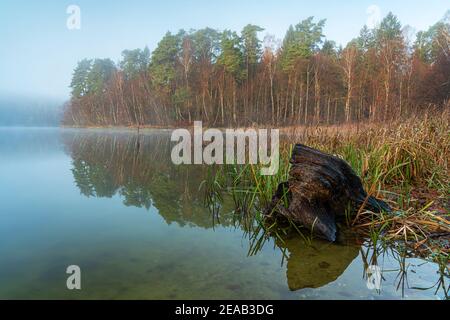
x=112 y=203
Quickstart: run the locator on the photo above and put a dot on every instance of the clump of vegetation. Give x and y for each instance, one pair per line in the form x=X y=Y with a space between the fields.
x=406 y=164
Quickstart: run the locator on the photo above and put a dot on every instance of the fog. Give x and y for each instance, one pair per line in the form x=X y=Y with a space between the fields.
x=30 y=111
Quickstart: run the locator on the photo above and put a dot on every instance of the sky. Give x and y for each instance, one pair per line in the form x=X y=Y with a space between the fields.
x=39 y=52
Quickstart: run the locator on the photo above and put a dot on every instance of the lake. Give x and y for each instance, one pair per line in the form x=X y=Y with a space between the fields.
x=112 y=202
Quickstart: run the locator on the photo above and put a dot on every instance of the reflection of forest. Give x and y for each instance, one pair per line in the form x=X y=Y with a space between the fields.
x=139 y=169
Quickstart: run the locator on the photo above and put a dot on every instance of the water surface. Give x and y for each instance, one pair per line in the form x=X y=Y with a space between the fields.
x=112 y=203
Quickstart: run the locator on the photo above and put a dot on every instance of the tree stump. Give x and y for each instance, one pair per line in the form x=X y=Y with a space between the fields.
x=321 y=188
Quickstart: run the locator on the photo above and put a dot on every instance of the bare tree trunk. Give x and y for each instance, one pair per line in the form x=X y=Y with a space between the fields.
x=307 y=95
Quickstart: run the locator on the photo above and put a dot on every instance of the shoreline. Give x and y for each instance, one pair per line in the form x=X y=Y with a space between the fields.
x=287 y=129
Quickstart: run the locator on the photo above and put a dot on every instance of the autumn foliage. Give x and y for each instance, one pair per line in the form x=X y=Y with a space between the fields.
x=230 y=79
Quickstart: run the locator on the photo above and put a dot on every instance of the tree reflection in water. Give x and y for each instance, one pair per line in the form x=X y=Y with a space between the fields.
x=138 y=168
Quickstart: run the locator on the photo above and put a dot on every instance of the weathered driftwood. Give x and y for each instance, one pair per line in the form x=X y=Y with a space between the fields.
x=321 y=188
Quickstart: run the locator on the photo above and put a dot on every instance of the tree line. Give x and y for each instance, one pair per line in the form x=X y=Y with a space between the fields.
x=230 y=79
x=138 y=169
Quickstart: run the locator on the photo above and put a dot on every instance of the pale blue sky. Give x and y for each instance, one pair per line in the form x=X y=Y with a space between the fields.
x=39 y=53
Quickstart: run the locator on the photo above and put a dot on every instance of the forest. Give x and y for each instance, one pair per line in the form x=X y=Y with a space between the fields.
x=235 y=79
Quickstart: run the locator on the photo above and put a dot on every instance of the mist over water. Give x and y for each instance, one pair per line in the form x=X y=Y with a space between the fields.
x=30 y=111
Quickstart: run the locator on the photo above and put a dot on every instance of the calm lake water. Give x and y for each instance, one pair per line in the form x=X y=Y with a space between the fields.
x=112 y=203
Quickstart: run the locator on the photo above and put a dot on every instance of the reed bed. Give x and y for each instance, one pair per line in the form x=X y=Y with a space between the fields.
x=404 y=163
